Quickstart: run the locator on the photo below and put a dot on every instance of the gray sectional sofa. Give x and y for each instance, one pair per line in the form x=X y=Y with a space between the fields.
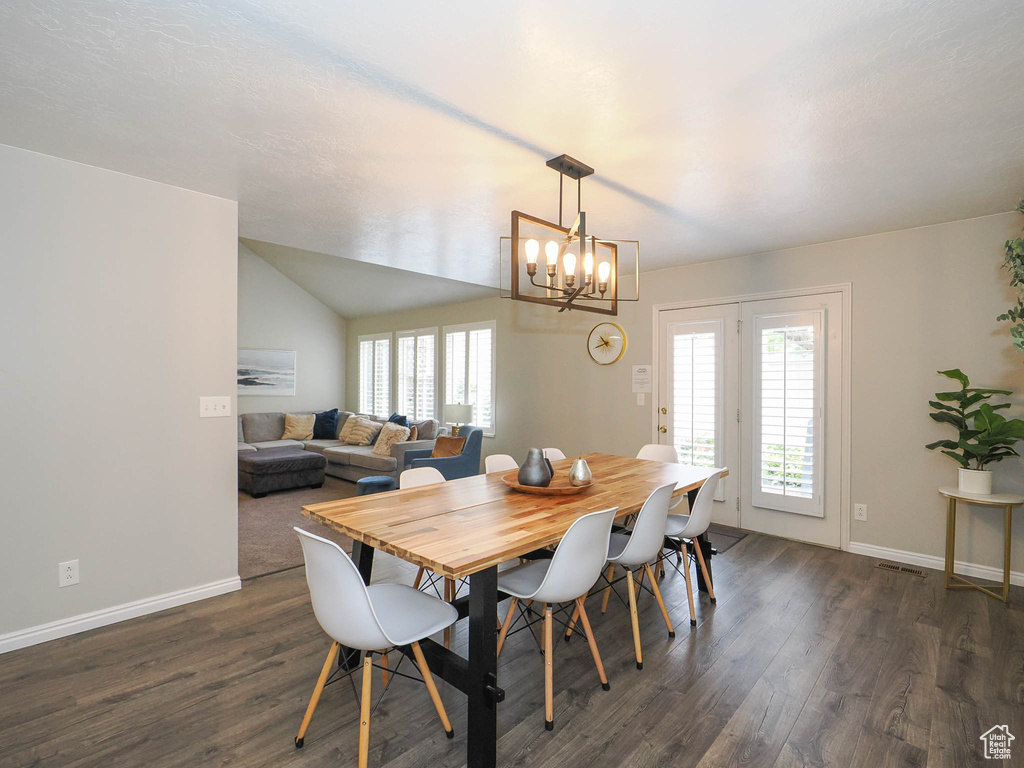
x=263 y=431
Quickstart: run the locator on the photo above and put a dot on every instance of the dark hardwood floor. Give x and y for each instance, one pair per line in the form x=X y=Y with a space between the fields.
x=810 y=658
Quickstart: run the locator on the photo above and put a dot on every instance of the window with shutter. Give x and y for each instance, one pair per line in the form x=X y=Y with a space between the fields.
x=696 y=422
x=375 y=374
x=417 y=373
x=787 y=398
x=469 y=366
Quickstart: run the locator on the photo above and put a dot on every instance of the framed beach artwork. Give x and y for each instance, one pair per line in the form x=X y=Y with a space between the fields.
x=266 y=372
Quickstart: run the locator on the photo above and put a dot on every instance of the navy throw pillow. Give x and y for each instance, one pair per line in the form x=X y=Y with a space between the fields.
x=325 y=426
x=402 y=421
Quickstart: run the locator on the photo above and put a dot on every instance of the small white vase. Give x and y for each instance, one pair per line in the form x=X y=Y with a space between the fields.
x=976 y=481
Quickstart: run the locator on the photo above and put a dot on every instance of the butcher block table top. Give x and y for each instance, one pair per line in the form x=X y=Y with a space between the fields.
x=463 y=526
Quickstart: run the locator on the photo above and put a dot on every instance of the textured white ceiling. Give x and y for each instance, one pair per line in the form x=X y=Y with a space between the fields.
x=403 y=133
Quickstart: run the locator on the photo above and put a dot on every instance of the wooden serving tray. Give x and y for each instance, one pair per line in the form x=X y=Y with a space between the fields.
x=559 y=486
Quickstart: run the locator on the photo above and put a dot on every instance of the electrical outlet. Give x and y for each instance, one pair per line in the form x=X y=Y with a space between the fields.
x=67 y=573
x=860 y=511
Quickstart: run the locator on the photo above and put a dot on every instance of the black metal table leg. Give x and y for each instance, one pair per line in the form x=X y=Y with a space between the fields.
x=484 y=694
x=362 y=556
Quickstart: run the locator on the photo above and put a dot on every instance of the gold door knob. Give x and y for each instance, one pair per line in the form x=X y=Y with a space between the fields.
x=664 y=410
x=663 y=429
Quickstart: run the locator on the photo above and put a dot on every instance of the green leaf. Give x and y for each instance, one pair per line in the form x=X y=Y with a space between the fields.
x=956 y=373
x=949 y=418
x=960 y=459
x=941 y=407
x=950 y=396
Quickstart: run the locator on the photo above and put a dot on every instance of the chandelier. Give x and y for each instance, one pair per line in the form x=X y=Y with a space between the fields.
x=581 y=271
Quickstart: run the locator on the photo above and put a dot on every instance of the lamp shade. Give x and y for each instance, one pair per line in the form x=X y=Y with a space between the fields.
x=458 y=413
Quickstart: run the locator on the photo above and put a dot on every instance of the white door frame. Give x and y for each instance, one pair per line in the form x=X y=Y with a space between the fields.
x=846 y=290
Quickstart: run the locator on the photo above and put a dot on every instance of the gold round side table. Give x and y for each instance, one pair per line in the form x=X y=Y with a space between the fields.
x=1005 y=500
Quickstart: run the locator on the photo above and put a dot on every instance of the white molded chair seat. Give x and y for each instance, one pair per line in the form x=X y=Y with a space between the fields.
x=675 y=527
x=553 y=454
x=567 y=576
x=658 y=452
x=408 y=615
x=499 y=462
x=369 y=619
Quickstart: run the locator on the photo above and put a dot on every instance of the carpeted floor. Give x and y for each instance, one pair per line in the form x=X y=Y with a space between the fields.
x=266 y=541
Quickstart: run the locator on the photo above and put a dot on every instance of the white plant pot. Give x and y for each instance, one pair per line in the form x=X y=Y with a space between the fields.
x=977 y=481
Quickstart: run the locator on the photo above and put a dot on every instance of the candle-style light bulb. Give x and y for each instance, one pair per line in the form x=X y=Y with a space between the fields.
x=569 y=264
x=588 y=268
x=532 y=249
x=603 y=270
x=551 y=251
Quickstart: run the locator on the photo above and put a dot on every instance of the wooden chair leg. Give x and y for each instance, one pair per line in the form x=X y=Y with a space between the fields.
x=704 y=570
x=384 y=671
x=435 y=697
x=364 y=711
x=325 y=673
x=608 y=589
x=661 y=603
x=689 y=591
x=572 y=623
x=634 y=619
x=418 y=579
x=549 y=671
x=592 y=642
x=448 y=595
x=507 y=624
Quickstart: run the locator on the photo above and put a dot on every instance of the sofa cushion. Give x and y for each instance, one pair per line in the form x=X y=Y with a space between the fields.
x=343 y=417
x=365 y=457
x=427 y=429
x=448 y=446
x=262 y=427
x=338 y=455
x=390 y=434
x=364 y=432
x=298 y=426
x=244 y=447
x=319 y=446
x=265 y=444
x=346 y=430
x=325 y=425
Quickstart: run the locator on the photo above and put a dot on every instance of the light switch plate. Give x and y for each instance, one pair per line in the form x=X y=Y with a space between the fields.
x=213 y=407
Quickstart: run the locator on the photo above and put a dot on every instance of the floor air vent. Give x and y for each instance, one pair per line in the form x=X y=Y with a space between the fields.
x=900 y=569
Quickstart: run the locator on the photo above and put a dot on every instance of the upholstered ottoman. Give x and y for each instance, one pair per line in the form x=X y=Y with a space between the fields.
x=279 y=469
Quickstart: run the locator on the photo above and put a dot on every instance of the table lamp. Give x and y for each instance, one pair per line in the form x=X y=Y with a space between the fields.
x=458 y=414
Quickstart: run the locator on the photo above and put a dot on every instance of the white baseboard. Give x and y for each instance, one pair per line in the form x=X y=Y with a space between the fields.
x=973 y=570
x=86 y=621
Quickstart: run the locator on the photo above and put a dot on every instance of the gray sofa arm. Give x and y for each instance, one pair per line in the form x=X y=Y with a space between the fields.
x=398 y=450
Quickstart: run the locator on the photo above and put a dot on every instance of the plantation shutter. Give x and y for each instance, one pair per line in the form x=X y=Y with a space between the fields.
x=696 y=360
x=417 y=373
x=375 y=375
x=470 y=371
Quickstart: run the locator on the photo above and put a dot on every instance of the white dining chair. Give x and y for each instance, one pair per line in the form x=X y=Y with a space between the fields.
x=416 y=478
x=369 y=619
x=635 y=552
x=553 y=454
x=657 y=452
x=499 y=462
x=683 y=528
x=567 y=577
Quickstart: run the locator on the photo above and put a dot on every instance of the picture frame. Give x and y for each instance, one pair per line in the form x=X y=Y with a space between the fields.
x=266 y=372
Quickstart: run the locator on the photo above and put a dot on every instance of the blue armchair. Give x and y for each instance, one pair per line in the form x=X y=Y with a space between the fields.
x=466 y=464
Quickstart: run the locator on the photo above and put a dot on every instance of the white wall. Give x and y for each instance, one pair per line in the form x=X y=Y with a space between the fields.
x=275 y=313
x=923 y=299
x=117 y=312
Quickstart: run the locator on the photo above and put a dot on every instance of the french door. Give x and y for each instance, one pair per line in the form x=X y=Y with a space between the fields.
x=756 y=386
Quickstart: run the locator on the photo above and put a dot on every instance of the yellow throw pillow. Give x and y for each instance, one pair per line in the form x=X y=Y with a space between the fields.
x=389 y=435
x=363 y=432
x=347 y=427
x=298 y=427
x=448 y=446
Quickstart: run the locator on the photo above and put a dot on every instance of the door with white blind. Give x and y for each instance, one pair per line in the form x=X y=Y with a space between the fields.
x=791 y=430
x=698 y=391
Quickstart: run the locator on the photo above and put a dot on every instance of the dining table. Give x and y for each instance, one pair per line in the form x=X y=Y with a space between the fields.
x=465 y=528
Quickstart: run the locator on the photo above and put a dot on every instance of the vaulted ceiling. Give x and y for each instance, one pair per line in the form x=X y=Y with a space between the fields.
x=402 y=133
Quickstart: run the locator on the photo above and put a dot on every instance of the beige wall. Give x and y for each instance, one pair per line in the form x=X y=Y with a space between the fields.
x=117 y=313
x=923 y=300
x=275 y=313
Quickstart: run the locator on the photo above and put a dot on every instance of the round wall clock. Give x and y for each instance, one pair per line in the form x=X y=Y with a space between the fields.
x=606 y=343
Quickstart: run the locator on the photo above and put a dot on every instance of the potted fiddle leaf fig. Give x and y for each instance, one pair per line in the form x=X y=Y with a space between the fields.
x=983 y=436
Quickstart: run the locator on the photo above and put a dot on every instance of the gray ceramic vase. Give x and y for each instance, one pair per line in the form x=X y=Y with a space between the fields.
x=535 y=471
x=580 y=473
